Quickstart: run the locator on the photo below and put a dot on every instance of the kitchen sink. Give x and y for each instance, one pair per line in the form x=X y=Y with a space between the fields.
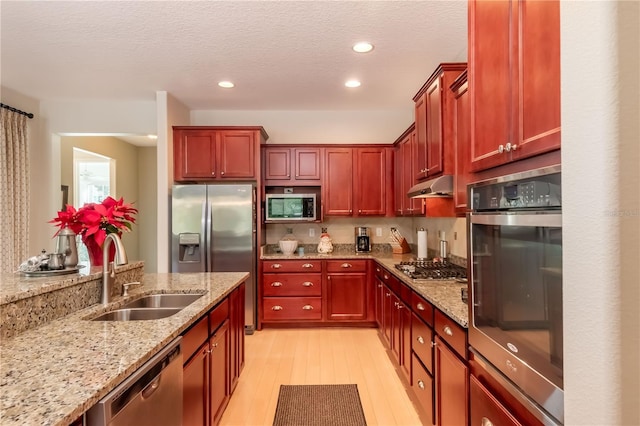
x=137 y=314
x=163 y=301
x=151 y=307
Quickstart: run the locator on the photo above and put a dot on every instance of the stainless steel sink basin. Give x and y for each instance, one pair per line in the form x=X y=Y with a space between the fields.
x=137 y=314
x=163 y=301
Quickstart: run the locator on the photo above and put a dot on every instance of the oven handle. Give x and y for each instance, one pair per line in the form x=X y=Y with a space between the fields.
x=510 y=219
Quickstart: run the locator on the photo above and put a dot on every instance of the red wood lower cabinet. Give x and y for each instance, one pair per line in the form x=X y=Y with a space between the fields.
x=422 y=386
x=486 y=410
x=451 y=386
x=219 y=372
x=195 y=390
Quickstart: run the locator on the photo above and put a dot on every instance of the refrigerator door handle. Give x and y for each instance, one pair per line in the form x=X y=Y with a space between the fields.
x=206 y=235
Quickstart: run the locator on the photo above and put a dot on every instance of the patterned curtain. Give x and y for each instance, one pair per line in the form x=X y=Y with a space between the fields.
x=14 y=190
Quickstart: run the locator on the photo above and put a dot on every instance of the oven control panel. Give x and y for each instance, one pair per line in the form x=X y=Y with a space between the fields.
x=538 y=192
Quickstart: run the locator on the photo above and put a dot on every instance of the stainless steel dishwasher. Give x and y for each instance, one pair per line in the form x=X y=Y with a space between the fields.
x=150 y=396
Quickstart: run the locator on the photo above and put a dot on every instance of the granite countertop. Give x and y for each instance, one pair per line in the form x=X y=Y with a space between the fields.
x=443 y=294
x=52 y=374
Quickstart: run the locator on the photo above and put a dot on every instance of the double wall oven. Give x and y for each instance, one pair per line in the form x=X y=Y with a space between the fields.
x=515 y=244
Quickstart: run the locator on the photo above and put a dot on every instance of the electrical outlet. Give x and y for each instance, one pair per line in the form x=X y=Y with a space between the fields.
x=393 y=229
x=324 y=230
x=288 y=190
x=455 y=236
x=312 y=232
x=378 y=232
x=289 y=230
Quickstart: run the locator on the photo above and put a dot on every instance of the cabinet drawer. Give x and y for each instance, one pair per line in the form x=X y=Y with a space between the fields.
x=422 y=386
x=451 y=332
x=347 y=265
x=194 y=337
x=292 y=308
x=423 y=308
x=218 y=315
x=292 y=284
x=485 y=406
x=421 y=339
x=292 y=266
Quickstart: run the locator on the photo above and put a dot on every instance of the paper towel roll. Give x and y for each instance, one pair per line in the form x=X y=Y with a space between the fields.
x=422 y=244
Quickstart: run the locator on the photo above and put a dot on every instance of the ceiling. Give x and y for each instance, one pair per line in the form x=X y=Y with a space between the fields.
x=281 y=55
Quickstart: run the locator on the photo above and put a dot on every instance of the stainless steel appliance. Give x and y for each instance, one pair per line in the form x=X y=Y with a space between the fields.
x=290 y=207
x=214 y=230
x=150 y=396
x=363 y=239
x=431 y=270
x=515 y=238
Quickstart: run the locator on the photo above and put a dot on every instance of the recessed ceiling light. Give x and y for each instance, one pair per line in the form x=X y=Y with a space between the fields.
x=152 y=136
x=226 y=84
x=352 y=83
x=363 y=47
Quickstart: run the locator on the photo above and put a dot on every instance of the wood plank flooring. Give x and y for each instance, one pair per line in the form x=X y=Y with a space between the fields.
x=318 y=356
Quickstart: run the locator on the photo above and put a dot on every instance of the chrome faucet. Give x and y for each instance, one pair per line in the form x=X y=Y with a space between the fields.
x=109 y=277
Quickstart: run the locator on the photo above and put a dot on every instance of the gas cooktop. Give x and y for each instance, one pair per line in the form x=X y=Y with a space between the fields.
x=432 y=270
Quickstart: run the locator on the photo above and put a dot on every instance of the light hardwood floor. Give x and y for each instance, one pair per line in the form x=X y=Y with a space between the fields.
x=318 y=356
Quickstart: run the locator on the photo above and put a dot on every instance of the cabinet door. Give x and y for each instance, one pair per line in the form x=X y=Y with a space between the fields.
x=451 y=386
x=486 y=409
x=379 y=300
x=277 y=164
x=237 y=154
x=490 y=76
x=307 y=163
x=370 y=182
x=219 y=373
x=539 y=77
x=422 y=386
x=420 y=151
x=387 y=315
x=398 y=180
x=195 y=389
x=413 y=206
x=462 y=143
x=346 y=297
x=396 y=328
x=236 y=335
x=195 y=155
x=405 y=340
x=338 y=182
x=434 y=128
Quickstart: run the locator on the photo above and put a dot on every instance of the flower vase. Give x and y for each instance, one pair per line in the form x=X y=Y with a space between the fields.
x=95 y=251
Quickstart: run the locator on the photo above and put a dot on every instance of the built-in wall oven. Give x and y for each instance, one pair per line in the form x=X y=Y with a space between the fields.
x=515 y=244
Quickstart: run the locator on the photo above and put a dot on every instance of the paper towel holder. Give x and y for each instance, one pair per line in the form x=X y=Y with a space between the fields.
x=420 y=242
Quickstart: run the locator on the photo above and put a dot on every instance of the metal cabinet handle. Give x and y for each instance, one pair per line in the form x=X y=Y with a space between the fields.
x=447 y=330
x=395 y=304
x=276 y=284
x=213 y=173
x=486 y=422
x=434 y=344
x=215 y=345
x=388 y=294
x=222 y=173
x=346 y=265
x=420 y=340
x=307 y=307
x=379 y=285
x=420 y=307
x=500 y=148
x=307 y=284
x=377 y=269
x=421 y=384
x=277 y=308
x=399 y=306
x=307 y=265
x=386 y=277
x=276 y=266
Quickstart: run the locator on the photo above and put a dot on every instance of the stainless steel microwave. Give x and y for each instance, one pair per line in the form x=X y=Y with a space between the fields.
x=290 y=207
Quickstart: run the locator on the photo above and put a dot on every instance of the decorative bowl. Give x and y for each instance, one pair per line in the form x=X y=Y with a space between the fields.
x=288 y=246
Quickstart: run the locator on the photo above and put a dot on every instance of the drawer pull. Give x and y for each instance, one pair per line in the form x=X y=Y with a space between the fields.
x=277 y=308
x=486 y=422
x=434 y=344
x=307 y=284
x=307 y=308
x=388 y=294
x=377 y=269
x=420 y=307
x=276 y=266
x=448 y=331
x=307 y=265
x=399 y=306
x=386 y=277
x=346 y=265
x=421 y=384
x=420 y=340
x=379 y=285
x=276 y=284
x=395 y=304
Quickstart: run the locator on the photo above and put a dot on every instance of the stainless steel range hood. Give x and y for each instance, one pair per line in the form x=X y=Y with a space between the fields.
x=439 y=187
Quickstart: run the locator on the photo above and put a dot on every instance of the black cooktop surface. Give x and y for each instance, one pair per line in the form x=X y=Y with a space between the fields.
x=432 y=270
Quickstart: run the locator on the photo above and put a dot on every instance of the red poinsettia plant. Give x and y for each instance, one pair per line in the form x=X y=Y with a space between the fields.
x=96 y=220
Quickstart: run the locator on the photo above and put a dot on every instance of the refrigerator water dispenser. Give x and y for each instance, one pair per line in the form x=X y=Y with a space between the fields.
x=189 y=248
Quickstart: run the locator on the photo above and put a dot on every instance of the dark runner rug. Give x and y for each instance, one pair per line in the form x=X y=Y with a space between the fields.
x=319 y=405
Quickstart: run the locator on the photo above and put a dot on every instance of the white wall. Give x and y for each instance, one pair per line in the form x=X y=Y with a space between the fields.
x=601 y=214
x=375 y=126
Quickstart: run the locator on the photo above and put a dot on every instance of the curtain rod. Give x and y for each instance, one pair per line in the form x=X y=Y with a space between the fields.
x=10 y=108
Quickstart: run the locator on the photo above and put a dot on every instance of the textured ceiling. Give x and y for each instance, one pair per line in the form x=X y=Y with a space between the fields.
x=282 y=55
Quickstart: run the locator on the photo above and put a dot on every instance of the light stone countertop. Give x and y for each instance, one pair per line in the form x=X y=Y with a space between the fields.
x=443 y=294
x=52 y=374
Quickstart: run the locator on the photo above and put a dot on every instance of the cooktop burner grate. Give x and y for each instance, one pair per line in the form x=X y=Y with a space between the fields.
x=432 y=270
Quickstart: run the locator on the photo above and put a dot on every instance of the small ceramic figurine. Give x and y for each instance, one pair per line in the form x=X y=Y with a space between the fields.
x=325 y=245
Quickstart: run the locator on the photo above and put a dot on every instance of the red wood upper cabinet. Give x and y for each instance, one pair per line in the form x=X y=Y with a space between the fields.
x=292 y=166
x=404 y=176
x=514 y=76
x=337 y=188
x=434 y=123
x=205 y=153
x=461 y=142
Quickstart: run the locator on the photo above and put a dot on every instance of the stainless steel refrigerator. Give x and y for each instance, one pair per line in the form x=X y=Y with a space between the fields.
x=213 y=229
